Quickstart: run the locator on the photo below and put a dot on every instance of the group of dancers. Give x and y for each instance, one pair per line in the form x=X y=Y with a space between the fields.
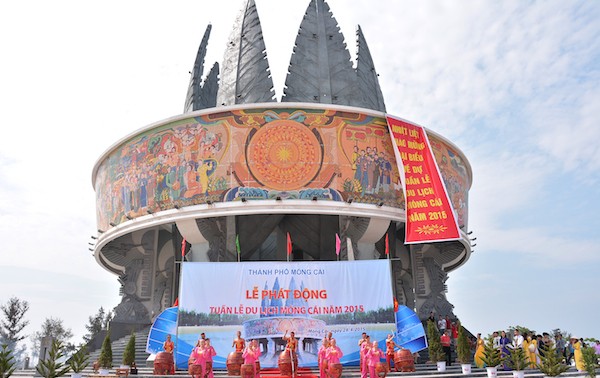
x=328 y=358
x=202 y=355
x=371 y=356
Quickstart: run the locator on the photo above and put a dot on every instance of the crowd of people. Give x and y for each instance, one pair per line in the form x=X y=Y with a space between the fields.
x=372 y=358
x=534 y=345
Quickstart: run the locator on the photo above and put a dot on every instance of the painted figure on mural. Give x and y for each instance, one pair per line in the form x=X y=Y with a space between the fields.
x=354 y=158
x=376 y=172
x=191 y=181
x=205 y=168
x=386 y=173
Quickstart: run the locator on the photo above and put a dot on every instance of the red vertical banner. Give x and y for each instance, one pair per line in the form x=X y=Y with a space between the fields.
x=429 y=214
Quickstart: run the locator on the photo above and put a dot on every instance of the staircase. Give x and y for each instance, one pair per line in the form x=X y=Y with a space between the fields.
x=118 y=347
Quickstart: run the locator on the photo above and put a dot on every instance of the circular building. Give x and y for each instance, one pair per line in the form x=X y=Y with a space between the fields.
x=239 y=176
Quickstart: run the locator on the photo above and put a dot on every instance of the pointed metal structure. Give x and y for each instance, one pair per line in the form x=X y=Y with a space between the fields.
x=368 y=81
x=245 y=77
x=195 y=98
x=320 y=68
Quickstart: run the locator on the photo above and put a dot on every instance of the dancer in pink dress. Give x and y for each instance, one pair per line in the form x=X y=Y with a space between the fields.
x=198 y=357
x=365 y=346
x=333 y=356
x=251 y=355
x=209 y=352
x=322 y=358
x=373 y=357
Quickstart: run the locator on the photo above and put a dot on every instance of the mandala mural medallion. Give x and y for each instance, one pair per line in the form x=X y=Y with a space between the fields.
x=284 y=155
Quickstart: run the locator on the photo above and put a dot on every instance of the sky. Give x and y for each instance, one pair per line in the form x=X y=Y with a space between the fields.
x=514 y=84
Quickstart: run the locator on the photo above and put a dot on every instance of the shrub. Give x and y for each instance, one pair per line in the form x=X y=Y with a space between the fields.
x=129 y=352
x=433 y=339
x=105 y=359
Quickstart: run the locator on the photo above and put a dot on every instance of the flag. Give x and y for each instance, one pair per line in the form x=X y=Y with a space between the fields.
x=395 y=305
x=289 y=244
x=387 y=244
x=237 y=244
x=176 y=303
x=183 y=248
x=338 y=244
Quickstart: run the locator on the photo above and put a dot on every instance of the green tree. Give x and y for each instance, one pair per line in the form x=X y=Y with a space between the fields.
x=492 y=357
x=590 y=361
x=105 y=359
x=522 y=330
x=13 y=322
x=79 y=360
x=97 y=323
x=7 y=363
x=129 y=352
x=53 y=366
x=463 y=349
x=54 y=328
x=433 y=339
x=550 y=362
x=517 y=359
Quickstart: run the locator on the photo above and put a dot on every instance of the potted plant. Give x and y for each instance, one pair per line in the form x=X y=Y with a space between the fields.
x=550 y=363
x=7 y=363
x=492 y=357
x=436 y=354
x=78 y=362
x=105 y=359
x=590 y=361
x=129 y=352
x=463 y=350
x=517 y=360
x=52 y=367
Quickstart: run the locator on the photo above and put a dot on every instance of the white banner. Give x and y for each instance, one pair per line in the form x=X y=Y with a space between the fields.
x=263 y=300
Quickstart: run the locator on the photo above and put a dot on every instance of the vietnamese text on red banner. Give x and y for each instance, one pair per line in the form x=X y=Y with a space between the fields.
x=429 y=215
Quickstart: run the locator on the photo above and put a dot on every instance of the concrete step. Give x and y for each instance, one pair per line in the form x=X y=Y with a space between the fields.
x=422 y=371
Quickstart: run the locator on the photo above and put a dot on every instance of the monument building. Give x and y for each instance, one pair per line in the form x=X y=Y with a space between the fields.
x=243 y=176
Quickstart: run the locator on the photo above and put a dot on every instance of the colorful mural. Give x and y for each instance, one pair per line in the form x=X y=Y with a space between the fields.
x=260 y=154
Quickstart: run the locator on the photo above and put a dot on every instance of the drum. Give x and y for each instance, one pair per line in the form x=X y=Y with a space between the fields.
x=381 y=369
x=208 y=368
x=335 y=370
x=285 y=363
x=403 y=360
x=163 y=363
x=195 y=370
x=234 y=363
x=247 y=370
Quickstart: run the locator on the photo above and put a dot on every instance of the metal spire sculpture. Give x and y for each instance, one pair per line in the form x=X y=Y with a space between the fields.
x=245 y=77
x=368 y=80
x=320 y=70
x=199 y=96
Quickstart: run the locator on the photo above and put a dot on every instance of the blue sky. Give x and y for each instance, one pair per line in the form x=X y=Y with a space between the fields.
x=514 y=84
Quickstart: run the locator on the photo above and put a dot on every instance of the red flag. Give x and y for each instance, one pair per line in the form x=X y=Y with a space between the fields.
x=289 y=244
x=387 y=244
x=396 y=305
x=176 y=303
x=183 y=248
x=338 y=244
